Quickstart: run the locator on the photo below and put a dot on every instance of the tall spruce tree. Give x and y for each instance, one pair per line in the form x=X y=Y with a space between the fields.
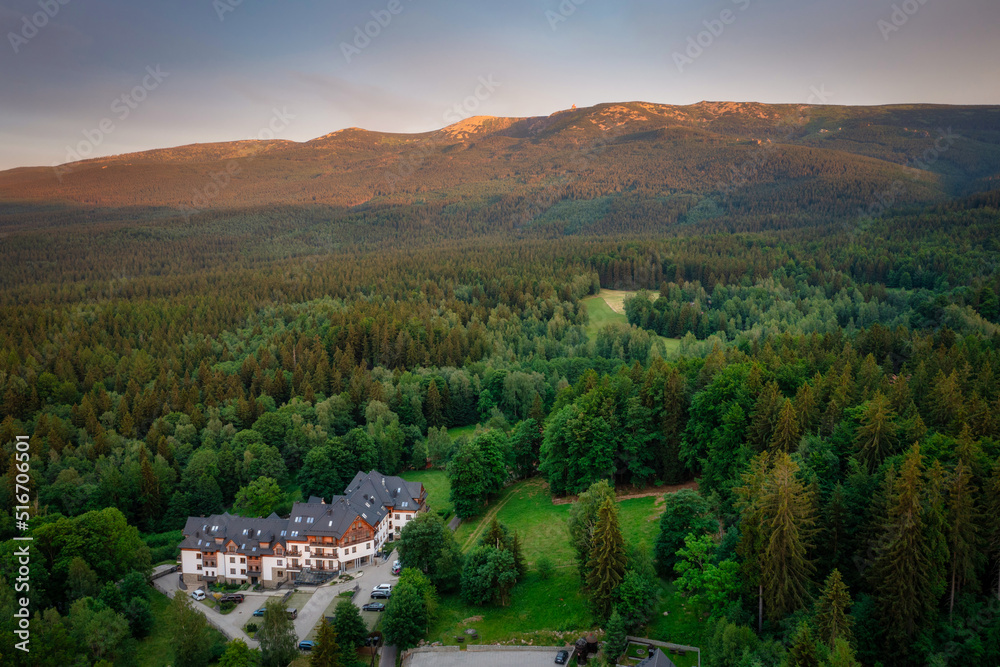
x=832 y=620
x=876 y=437
x=786 y=568
x=963 y=531
x=901 y=575
x=787 y=431
x=583 y=518
x=607 y=562
x=993 y=510
x=753 y=535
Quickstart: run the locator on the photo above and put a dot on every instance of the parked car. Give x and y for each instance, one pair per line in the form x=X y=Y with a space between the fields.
x=373 y=606
x=562 y=657
x=397 y=567
x=259 y=612
x=233 y=597
x=383 y=587
x=381 y=593
x=372 y=640
x=198 y=595
x=293 y=613
x=307 y=645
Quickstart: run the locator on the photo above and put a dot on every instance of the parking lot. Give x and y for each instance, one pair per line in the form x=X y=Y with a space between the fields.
x=521 y=658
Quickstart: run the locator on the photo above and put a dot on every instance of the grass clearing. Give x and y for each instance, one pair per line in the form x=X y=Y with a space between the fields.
x=462 y=430
x=436 y=484
x=298 y=600
x=540 y=609
x=608 y=307
x=540 y=612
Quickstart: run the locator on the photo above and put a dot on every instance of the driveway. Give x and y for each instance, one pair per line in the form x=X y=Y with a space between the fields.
x=231 y=624
x=541 y=657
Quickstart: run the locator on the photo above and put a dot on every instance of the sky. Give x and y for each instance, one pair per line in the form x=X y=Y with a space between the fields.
x=90 y=78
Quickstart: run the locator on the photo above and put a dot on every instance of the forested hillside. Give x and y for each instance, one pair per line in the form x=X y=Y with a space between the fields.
x=835 y=391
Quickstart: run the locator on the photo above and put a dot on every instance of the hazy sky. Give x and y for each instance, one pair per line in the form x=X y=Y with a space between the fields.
x=220 y=70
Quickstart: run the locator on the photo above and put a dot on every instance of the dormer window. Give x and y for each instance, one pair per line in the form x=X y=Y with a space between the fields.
x=284 y=532
x=295 y=533
x=309 y=520
x=298 y=519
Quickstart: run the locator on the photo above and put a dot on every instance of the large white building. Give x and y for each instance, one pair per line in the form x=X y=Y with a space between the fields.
x=316 y=541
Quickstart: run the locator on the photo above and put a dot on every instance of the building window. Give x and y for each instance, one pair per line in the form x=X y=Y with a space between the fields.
x=243 y=571
x=397 y=517
x=199 y=567
x=232 y=570
x=280 y=574
x=198 y=555
x=279 y=562
x=232 y=560
x=307 y=561
x=243 y=560
x=354 y=550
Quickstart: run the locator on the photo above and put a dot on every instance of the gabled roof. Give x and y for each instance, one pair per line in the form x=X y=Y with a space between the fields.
x=246 y=532
x=331 y=519
x=657 y=659
x=387 y=490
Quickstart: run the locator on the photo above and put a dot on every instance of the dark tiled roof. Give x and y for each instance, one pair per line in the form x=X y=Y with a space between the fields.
x=657 y=659
x=386 y=490
x=246 y=532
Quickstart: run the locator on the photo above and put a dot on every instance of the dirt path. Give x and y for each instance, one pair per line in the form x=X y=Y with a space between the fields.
x=485 y=521
x=637 y=493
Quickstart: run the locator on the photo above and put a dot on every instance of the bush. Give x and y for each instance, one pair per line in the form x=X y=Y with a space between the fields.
x=544 y=567
x=251 y=628
x=227 y=606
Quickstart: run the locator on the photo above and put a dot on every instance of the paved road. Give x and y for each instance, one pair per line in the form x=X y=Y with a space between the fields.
x=543 y=657
x=231 y=624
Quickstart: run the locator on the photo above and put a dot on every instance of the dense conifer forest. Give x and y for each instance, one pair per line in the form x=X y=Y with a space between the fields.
x=834 y=392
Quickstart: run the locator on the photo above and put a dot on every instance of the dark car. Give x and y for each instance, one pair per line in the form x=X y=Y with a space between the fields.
x=373 y=640
x=381 y=594
x=562 y=657
x=373 y=606
x=307 y=645
x=259 y=612
x=233 y=597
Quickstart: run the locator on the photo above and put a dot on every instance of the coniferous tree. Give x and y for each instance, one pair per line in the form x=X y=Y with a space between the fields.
x=963 y=531
x=901 y=575
x=786 y=568
x=876 y=438
x=803 y=652
x=607 y=562
x=582 y=519
x=786 y=431
x=327 y=652
x=832 y=620
x=615 y=638
x=993 y=510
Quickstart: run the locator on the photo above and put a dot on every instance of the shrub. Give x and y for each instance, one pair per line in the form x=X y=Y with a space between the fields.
x=227 y=606
x=544 y=567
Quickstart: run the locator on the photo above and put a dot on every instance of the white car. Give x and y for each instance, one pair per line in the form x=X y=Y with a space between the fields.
x=383 y=587
x=198 y=595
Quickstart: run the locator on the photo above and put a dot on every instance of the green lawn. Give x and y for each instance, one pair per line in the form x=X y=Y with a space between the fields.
x=601 y=314
x=462 y=430
x=538 y=610
x=556 y=604
x=156 y=650
x=436 y=484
